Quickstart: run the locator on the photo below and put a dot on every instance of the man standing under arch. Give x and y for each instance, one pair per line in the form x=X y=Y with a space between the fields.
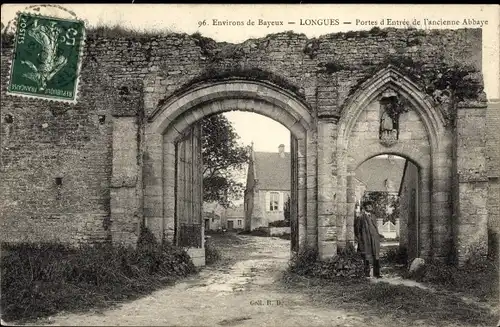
x=368 y=237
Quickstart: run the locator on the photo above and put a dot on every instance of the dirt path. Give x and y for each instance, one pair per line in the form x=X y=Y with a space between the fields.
x=243 y=293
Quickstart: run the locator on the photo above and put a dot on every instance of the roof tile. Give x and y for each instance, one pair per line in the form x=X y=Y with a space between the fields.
x=272 y=171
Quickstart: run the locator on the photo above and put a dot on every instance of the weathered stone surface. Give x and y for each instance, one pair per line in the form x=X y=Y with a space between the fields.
x=416 y=265
x=108 y=150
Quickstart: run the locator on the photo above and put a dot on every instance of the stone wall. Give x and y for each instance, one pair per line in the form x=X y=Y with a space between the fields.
x=57 y=159
x=278 y=231
x=471 y=182
x=493 y=168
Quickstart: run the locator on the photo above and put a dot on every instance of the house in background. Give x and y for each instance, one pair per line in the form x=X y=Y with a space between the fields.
x=234 y=218
x=212 y=216
x=267 y=187
x=381 y=174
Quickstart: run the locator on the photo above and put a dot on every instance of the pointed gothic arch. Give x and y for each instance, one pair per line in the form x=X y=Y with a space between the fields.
x=390 y=77
x=436 y=175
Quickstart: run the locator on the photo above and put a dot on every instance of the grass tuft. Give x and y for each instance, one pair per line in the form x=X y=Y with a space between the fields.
x=212 y=253
x=397 y=255
x=403 y=304
x=42 y=279
x=119 y=31
x=477 y=279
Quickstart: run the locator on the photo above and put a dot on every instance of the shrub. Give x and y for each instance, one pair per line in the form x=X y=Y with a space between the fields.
x=279 y=223
x=285 y=236
x=478 y=277
x=397 y=255
x=346 y=264
x=260 y=231
x=212 y=253
x=42 y=279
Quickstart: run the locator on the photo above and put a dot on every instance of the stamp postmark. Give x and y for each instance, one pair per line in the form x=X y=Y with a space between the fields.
x=47 y=58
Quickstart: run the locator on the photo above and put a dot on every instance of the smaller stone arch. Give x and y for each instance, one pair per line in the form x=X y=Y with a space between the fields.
x=428 y=152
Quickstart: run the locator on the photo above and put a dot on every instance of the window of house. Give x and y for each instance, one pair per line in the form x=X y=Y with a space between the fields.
x=239 y=222
x=389 y=227
x=274 y=201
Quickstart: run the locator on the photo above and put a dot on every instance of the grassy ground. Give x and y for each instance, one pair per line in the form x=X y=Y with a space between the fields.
x=478 y=281
x=466 y=296
x=410 y=305
x=229 y=247
x=39 y=280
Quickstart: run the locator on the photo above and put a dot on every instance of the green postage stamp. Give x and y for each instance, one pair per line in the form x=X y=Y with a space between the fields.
x=47 y=58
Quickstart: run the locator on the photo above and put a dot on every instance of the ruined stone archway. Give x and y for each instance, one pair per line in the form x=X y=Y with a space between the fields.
x=172 y=121
x=423 y=139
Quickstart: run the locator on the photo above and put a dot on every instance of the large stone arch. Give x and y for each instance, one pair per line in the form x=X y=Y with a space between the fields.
x=427 y=142
x=173 y=119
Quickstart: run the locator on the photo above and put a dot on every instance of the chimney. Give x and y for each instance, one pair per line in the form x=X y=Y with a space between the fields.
x=281 y=150
x=250 y=150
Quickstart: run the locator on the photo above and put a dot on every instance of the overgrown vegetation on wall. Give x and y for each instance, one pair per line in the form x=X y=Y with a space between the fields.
x=42 y=279
x=347 y=264
x=446 y=84
x=215 y=73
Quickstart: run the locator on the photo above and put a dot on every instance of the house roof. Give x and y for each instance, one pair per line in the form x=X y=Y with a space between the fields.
x=272 y=171
x=493 y=138
x=210 y=215
x=213 y=207
x=381 y=173
x=235 y=212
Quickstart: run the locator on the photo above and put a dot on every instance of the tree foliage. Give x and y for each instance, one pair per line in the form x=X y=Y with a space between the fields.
x=223 y=157
x=385 y=205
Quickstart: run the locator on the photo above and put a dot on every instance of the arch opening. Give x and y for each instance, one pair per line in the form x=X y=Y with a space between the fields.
x=393 y=185
x=177 y=123
x=420 y=137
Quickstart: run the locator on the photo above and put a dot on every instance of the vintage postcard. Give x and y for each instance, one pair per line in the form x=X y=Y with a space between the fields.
x=250 y=165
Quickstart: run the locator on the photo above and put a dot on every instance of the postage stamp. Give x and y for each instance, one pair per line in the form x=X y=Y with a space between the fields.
x=47 y=58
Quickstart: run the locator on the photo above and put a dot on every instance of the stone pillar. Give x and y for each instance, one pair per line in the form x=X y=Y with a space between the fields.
x=152 y=180
x=297 y=232
x=327 y=222
x=493 y=168
x=303 y=217
x=125 y=204
x=348 y=230
x=309 y=149
x=441 y=204
x=472 y=189
x=169 y=162
x=424 y=224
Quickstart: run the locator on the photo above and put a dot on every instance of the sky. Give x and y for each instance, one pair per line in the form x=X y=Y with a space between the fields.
x=265 y=133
